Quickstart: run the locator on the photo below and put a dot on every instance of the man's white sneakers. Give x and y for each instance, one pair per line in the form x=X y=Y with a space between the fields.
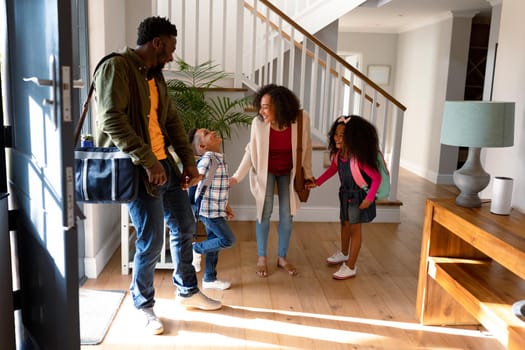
x=153 y=323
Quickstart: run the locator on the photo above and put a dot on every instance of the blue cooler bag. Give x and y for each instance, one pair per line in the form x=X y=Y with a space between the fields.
x=105 y=175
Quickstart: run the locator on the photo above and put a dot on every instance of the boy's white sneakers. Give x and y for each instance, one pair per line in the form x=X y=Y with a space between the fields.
x=337 y=258
x=217 y=284
x=196 y=260
x=344 y=272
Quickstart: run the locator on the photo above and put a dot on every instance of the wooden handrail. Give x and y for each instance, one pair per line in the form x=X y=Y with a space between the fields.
x=325 y=48
x=309 y=53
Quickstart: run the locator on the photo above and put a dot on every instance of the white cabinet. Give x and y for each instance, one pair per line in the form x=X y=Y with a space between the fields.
x=128 y=237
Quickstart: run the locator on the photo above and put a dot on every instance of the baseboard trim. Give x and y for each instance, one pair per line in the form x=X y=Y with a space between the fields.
x=94 y=265
x=385 y=214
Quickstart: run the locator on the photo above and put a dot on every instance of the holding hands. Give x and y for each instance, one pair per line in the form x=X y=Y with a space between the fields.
x=191 y=177
x=233 y=181
x=309 y=184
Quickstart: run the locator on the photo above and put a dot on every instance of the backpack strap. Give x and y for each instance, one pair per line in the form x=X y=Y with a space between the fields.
x=384 y=187
x=203 y=185
x=356 y=174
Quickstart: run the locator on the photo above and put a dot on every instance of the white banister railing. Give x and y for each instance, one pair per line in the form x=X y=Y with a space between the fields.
x=259 y=44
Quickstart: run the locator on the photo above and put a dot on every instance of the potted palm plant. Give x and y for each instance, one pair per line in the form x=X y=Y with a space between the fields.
x=196 y=109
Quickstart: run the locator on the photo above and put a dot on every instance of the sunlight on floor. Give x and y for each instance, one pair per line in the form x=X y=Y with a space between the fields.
x=383 y=323
x=280 y=327
x=256 y=328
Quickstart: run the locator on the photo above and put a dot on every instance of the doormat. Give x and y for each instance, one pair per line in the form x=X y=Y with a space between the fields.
x=97 y=309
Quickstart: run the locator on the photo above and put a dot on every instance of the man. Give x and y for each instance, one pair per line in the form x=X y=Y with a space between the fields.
x=136 y=114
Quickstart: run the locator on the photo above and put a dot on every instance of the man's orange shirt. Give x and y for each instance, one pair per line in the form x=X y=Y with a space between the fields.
x=157 y=139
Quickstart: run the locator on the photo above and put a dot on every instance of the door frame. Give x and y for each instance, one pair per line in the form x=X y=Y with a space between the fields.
x=72 y=32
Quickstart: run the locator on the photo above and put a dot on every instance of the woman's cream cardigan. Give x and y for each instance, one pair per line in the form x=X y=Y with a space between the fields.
x=255 y=161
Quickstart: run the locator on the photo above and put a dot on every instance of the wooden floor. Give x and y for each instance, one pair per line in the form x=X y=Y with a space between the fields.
x=375 y=310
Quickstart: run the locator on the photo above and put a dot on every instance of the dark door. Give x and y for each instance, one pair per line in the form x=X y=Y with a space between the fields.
x=40 y=169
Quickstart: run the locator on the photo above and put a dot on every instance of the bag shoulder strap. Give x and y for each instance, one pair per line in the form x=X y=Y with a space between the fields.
x=356 y=174
x=85 y=106
x=299 y=140
x=358 y=177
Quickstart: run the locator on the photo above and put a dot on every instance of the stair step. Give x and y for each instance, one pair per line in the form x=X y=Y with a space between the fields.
x=226 y=89
x=318 y=146
x=386 y=202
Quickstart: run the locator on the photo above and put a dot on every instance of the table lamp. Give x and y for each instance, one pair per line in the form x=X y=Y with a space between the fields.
x=476 y=124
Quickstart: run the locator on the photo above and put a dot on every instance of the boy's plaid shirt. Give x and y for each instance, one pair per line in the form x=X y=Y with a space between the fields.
x=215 y=198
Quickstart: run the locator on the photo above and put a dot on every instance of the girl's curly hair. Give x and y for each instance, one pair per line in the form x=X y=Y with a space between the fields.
x=360 y=139
x=285 y=103
x=331 y=134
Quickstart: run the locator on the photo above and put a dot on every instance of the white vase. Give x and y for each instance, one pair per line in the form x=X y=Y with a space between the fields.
x=501 y=195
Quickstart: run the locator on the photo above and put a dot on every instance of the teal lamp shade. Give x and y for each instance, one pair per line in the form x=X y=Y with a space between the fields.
x=476 y=124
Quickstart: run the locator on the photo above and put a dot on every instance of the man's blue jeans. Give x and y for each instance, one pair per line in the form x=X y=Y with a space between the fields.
x=285 y=217
x=220 y=236
x=148 y=214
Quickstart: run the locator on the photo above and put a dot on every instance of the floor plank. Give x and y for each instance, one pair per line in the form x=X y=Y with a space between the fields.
x=374 y=310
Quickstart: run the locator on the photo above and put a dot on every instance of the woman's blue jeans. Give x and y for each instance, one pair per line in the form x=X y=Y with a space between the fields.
x=284 y=229
x=148 y=214
x=219 y=236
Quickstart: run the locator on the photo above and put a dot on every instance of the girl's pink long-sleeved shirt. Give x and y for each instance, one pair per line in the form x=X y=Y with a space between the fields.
x=374 y=175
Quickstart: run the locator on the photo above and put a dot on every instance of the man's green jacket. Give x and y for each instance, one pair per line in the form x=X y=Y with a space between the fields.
x=123 y=106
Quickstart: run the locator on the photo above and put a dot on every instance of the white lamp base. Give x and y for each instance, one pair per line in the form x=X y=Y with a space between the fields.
x=471 y=179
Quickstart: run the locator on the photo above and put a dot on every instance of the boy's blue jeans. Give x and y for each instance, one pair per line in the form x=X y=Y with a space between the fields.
x=148 y=214
x=220 y=236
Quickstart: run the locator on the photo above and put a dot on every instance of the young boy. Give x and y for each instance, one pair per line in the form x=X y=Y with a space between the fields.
x=214 y=209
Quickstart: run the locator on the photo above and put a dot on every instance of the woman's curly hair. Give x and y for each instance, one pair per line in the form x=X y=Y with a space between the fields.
x=285 y=103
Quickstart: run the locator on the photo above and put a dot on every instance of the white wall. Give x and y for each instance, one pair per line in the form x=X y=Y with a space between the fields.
x=509 y=85
x=135 y=11
x=313 y=15
x=112 y=26
x=374 y=49
x=427 y=69
x=101 y=229
x=422 y=71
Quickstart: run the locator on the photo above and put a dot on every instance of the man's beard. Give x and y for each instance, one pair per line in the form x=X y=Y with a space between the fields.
x=154 y=71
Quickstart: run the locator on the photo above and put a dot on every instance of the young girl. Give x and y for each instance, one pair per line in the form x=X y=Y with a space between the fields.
x=352 y=137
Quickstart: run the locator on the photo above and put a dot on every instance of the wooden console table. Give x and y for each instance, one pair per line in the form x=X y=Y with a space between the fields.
x=472 y=269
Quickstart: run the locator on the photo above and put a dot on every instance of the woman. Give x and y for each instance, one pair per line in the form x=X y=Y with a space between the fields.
x=270 y=159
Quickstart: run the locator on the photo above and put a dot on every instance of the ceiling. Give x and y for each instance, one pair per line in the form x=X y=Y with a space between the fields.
x=396 y=16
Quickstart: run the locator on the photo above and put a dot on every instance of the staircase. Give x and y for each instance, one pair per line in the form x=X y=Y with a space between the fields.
x=260 y=44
